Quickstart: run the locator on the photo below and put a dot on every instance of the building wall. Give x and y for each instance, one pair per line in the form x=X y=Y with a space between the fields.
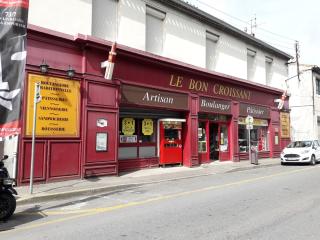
x=279 y=72
x=231 y=55
x=317 y=109
x=72 y=16
x=184 y=38
x=77 y=156
x=302 y=101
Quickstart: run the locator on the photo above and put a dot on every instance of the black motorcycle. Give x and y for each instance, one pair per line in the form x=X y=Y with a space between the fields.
x=7 y=200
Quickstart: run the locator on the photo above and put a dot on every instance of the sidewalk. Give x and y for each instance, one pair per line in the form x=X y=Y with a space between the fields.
x=78 y=187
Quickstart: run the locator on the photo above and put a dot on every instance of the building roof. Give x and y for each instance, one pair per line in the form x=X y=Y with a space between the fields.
x=221 y=25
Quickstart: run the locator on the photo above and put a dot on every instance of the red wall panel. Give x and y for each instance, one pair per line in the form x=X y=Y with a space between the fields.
x=64 y=159
x=93 y=156
x=39 y=161
x=57 y=56
x=99 y=94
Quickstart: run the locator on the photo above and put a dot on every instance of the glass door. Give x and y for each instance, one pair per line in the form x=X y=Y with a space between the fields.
x=203 y=143
x=224 y=153
x=214 y=141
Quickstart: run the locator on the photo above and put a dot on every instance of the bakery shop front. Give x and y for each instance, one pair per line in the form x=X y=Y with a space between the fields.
x=150 y=126
x=214 y=127
x=154 y=111
x=192 y=116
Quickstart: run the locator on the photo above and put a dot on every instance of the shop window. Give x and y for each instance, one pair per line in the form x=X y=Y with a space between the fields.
x=202 y=138
x=259 y=138
x=137 y=138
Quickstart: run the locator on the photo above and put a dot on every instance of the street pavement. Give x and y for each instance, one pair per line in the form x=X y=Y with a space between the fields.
x=73 y=188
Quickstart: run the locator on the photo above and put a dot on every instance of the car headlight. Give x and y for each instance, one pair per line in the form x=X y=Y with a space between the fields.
x=305 y=151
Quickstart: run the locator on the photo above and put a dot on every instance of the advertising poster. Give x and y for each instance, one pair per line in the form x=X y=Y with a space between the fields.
x=147 y=127
x=101 y=142
x=13 y=32
x=59 y=108
x=128 y=126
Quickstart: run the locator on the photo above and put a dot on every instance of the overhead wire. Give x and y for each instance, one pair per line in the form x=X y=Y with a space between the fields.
x=247 y=22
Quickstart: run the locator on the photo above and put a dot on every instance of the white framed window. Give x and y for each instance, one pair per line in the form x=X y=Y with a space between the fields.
x=268 y=66
x=251 y=54
x=318 y=124
x=104 y=19
x=317 y=86
x=211 y=46
x=154 y=30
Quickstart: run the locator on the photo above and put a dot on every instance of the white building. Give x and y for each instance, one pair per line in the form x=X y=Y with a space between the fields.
x=304 y=102
x=170 y=28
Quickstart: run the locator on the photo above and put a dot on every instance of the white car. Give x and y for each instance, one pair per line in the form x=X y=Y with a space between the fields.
x=301 y=152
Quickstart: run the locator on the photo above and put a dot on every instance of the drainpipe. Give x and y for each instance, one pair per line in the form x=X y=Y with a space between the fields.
x=313 y=107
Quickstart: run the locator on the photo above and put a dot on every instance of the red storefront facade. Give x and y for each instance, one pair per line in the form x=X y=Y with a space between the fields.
x=155 y=111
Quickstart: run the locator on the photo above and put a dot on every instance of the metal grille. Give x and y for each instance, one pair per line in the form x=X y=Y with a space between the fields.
x=291 y=156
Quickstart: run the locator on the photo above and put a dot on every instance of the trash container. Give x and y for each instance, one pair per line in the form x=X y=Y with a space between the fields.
x=254 y=155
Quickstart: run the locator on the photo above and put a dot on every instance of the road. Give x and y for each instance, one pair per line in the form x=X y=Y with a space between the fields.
x=278 y=202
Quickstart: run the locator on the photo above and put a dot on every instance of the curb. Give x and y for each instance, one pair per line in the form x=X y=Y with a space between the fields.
x=74 y=193
x=120 y=187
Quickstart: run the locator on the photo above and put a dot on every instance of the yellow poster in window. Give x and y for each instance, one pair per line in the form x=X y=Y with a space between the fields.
x=58 y=110
x=147 y=127
x=128 y=126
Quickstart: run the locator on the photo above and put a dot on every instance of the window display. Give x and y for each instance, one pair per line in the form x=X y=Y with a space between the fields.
x=137 y=138
x=223 y=138
x=202 y=138
x=259 y=138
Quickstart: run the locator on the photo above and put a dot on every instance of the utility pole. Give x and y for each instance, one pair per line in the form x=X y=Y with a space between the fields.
x=296 y=45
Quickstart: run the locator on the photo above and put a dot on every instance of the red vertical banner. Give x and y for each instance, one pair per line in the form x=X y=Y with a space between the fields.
x=13 y=36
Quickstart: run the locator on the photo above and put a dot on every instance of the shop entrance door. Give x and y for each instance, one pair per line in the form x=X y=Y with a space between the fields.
x=170 y=142
x=214 y=141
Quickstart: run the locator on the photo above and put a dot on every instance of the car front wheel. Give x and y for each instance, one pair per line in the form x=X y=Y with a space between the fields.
x=313 y=160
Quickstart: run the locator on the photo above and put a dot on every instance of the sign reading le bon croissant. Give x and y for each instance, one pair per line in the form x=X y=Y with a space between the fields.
x=58 y=110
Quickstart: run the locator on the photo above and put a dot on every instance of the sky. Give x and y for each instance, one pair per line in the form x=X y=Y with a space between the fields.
x=279 y=22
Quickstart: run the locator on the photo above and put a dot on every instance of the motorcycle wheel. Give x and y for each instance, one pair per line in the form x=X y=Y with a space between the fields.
x=7 y=205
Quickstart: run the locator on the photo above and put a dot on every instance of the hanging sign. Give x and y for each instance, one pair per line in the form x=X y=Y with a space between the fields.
x=13 y=36
x=285 y=125
x=147 y=127
x=128 y=126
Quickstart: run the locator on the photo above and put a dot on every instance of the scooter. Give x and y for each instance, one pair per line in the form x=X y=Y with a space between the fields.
x=7 y=192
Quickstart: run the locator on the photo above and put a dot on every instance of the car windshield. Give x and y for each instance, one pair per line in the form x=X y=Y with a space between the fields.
x=300 y=144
